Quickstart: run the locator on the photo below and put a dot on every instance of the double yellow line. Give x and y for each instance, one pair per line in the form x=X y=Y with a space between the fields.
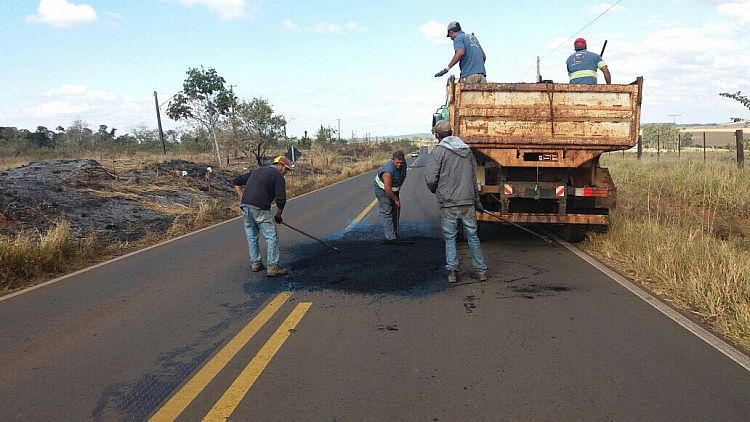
x=239 y=388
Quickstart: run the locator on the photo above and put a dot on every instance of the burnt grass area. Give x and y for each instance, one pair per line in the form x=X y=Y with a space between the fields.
x=117 y=207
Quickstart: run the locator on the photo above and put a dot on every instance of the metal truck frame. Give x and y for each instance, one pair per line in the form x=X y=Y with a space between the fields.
x=538 y=145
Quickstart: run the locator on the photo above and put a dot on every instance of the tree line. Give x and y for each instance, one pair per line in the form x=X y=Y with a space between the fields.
x=218 y=122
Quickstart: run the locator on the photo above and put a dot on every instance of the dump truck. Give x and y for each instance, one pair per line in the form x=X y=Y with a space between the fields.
x=537 y=147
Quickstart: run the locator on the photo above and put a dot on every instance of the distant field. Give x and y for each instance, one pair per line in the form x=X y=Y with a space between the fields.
x=715 y=137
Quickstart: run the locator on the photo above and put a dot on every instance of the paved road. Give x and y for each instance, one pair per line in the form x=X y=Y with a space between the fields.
x=373 y=333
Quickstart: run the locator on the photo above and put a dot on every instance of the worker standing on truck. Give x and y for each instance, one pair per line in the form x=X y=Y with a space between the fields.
x=388 y=182
x=583 y=64
x=468 y=54
x=451 y=175
x=257 y=190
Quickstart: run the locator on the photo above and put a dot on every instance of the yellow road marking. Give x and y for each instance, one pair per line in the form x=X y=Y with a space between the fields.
x=192 y=388
x=363 y=214
x=236 y=392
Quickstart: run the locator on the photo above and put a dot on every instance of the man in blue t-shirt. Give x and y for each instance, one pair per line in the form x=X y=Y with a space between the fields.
x=583 y=64
x=468 y=54
x=388 y=182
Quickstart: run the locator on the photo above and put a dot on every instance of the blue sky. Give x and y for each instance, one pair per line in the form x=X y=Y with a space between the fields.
x=368 y=63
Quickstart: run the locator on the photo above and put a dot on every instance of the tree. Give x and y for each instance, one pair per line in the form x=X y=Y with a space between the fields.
x=259 y=127
x=78 y=136
x=203 y=101
x=737 y=96
x=324 y=136
x=43 y=137
x=666 y=135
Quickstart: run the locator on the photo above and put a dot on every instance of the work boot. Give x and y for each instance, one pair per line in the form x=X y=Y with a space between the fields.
x=452 y=277
x=257 y=266
x=273 y=272
x=482 y=275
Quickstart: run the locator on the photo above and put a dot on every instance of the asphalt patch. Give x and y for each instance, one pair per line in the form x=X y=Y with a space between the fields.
x=364 y=266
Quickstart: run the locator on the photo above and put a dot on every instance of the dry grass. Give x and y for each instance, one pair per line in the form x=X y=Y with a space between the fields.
x=31 y=258
x=681 y=229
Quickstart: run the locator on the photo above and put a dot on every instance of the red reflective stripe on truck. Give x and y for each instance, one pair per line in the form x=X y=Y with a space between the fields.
x=592 y=191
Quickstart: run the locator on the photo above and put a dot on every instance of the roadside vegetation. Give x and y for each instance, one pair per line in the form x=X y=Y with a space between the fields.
x=682 y=229
x=33 y=256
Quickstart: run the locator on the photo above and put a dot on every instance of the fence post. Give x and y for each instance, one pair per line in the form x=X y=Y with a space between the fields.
x=738 y=136
x=679 y=147
x=704 y=147
x=640 y=146
x=658 y=147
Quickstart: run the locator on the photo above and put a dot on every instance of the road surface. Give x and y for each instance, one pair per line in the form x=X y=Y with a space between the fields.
x=185 y=331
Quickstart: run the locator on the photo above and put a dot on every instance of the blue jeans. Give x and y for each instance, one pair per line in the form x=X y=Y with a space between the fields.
x=389 y=214
x=261 y=221
x=449 y=220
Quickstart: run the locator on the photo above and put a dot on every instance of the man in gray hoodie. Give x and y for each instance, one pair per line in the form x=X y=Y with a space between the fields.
x=451 y=175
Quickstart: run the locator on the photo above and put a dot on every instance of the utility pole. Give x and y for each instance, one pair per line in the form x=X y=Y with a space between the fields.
x=538 y=74
x=158 y=120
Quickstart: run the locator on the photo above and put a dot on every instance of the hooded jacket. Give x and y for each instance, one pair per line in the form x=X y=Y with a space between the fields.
x=451 y=173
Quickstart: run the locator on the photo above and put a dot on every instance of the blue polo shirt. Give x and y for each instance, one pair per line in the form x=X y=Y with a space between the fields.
x=397 y=175
x=583 y=66
x=472 y=62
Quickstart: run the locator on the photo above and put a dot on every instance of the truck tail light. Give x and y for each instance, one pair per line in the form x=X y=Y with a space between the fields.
x=592 y=191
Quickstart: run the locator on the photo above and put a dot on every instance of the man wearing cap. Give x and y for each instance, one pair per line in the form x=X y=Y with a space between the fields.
x=468 y=54
x=388 y=182
x=583 y=64
x=257 y=190
x=451 y=175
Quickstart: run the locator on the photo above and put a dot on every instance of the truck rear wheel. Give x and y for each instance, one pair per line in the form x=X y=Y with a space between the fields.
x=573 y=233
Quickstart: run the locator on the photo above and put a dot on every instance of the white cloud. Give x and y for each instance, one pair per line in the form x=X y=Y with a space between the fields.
x=78 y=91
x=606 y=7
x=332 y=28
x=736 y=10
x=326 y=28
x=59 y=106
x=62 y=14
x=435 y=32
x=290 y=25
x=226 y=10
x=684 y=69
x=355 y=27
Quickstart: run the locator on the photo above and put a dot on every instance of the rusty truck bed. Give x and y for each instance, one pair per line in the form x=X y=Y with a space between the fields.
x=564 y=124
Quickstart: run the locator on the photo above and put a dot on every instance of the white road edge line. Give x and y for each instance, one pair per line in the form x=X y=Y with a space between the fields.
x=714 y=341
x=101 y=264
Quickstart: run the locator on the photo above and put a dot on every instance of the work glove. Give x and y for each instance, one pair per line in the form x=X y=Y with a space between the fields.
x=441 y=73
x=278 y=219
x=478 y=207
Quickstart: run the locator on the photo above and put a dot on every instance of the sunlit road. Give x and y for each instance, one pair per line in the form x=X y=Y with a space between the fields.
x=186 y=331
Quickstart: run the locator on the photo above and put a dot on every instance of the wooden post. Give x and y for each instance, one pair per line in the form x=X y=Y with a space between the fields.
x=738 y=136
x=658 y=147
x=158 y=120
x=704 y=147
x=640 y=146
x=678 y=145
